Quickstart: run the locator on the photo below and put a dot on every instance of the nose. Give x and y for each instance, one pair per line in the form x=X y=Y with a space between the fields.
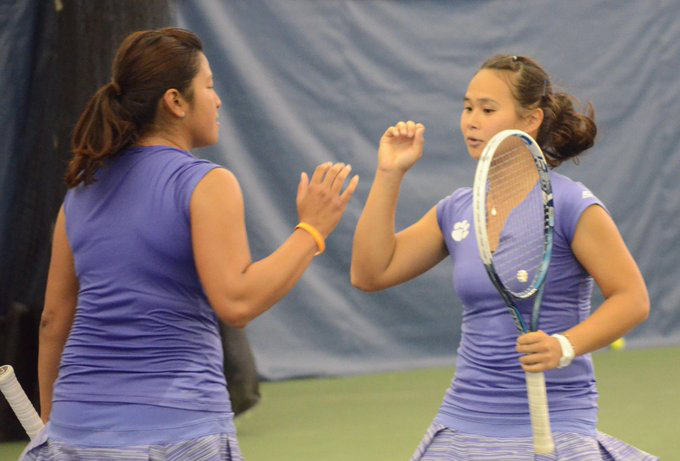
x=219 y=101
x=472 y=119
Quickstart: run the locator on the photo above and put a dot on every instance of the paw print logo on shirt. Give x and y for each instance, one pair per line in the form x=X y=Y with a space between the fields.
x=460 y=230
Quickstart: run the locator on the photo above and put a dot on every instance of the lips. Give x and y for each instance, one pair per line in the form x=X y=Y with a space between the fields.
x=474 y=142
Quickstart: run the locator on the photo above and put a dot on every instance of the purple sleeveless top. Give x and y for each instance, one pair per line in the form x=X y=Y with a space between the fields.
x=144 y=334
x=488 y=393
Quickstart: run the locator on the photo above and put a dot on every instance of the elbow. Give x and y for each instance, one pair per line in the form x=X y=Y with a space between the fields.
x=643 y=309
x=53 y=327
x=239 y=324
x=235 y=316
x=235 y=313
x=363 y=283
x=363 y=286
x=638 y=308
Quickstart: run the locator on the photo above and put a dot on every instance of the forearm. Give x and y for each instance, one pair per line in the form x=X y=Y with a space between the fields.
x=263 y=283
x=618 y=315
x=374 y=239
x=53 y=337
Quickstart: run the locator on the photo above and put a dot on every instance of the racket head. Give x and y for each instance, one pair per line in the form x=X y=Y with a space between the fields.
x=513 y=213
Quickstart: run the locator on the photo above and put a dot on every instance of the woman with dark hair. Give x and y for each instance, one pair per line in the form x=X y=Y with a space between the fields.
x=485 y=413
x=150 y=252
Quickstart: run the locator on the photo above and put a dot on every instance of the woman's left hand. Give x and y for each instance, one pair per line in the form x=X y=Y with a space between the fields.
x=540 y=351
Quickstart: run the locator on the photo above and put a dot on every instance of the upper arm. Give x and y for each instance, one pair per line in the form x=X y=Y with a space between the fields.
x=218 y=233
x=418 y=248
x=61 y=293
x=600 y=249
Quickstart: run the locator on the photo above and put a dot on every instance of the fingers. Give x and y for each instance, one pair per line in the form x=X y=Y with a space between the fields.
x=339 y=180
x=320 y=172
x=330 y=176
x=528 y=340
x=349 y=191
x=540 y=352
x=337 y=173
x=409 y=129
x=420 y=134
x=326 y=173
x=303 y=184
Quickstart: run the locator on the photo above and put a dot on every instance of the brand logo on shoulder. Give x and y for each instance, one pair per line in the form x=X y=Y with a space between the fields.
x=587 y=194
x=460 y=230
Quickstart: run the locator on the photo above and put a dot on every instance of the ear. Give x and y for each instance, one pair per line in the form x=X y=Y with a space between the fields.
x=173 y=102
x=532 y=121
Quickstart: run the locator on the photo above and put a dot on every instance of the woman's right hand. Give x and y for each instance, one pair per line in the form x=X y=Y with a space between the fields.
x=401 y=146
x=321 y=201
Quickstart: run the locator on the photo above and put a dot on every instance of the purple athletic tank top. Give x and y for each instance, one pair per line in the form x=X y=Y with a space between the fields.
x=144 y=332
x=488 y=393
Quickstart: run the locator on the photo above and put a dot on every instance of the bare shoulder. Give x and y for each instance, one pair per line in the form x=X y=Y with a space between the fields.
x=595 y=222
x=219 y=184
x=218 y=177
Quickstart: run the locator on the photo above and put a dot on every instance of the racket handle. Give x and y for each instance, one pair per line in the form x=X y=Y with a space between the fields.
x=19 y=402
x=540 y=418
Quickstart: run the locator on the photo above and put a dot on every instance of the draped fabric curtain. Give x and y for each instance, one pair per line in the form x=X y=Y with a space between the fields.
x=305 y=82
x=54 y=56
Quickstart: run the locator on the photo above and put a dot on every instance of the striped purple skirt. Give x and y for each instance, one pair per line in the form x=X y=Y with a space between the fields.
x=216 y=447
x=443 y=444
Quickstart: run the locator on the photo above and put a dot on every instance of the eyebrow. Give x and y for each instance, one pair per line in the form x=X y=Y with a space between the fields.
x=481 y=100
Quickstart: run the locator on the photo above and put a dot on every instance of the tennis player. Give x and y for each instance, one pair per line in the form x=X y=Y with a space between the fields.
x=150 y=251
x=485 y=413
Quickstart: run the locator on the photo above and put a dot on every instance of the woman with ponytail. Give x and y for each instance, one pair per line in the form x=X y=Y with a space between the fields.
x=149 y=254
x=485 y=413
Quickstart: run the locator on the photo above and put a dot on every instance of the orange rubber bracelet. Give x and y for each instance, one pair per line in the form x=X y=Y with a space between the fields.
x=316 y=235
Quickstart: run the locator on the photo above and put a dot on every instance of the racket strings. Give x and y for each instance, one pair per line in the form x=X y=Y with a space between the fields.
x=515 y=217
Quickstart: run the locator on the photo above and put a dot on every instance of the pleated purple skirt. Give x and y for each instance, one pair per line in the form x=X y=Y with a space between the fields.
x=443 y=444
x=217 y=447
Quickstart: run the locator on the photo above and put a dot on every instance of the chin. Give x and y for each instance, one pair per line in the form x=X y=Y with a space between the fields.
x=474 y=153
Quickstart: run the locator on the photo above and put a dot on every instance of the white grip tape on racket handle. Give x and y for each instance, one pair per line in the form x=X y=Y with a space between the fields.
x=540 y=418
x=19 y=402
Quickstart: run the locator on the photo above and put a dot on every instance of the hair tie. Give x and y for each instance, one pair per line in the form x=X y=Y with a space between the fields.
x=116 y=87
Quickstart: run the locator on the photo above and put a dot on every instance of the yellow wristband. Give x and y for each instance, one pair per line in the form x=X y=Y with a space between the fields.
x=316 y=235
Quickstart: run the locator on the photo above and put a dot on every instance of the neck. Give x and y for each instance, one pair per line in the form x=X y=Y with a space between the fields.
x=161 y=139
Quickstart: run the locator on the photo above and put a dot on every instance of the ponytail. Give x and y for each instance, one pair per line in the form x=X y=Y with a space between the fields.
x=102 y=130
x=565 y=133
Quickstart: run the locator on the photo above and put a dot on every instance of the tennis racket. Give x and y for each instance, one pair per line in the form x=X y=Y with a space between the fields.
x=19 y=402
x=514 y=218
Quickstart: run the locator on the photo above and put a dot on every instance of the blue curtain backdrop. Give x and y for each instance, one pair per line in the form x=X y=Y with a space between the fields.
x=303 y=82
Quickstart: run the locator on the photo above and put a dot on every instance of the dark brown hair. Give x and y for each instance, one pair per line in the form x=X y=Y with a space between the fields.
x=564 y=133
x=146 y=65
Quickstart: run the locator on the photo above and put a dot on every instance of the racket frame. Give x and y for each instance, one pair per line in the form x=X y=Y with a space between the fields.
x=536 y=390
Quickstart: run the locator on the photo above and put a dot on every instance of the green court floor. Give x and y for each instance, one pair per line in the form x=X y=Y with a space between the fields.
x=382 y=417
